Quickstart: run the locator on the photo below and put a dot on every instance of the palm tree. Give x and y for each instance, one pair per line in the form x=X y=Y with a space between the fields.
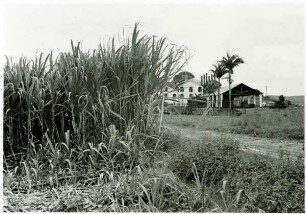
x=230 y=62
x=211 y=87
x=219 y=70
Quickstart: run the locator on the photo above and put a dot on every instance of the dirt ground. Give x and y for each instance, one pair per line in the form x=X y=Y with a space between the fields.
x=264 y=146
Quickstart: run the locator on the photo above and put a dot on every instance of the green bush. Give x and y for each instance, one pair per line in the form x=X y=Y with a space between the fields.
x=271 y=185
x=217 y=158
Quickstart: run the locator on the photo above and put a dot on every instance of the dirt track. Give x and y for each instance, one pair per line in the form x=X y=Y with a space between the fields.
x=264 y=146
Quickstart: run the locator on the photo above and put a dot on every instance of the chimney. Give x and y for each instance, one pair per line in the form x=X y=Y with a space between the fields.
x=206 y=79
x=202 y=82
x=212 y=77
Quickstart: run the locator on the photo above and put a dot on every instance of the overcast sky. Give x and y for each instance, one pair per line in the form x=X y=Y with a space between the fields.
x=268 y=36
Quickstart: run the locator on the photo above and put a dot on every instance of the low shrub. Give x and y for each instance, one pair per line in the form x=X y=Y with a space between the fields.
x=270 y=185
x=217 y=158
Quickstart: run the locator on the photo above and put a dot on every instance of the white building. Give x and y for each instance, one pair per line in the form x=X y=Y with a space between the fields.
x=184 y=91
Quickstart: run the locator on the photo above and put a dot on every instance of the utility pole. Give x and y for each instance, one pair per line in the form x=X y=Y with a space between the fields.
x=266 y=91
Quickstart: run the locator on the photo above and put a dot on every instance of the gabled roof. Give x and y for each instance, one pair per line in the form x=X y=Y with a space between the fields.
x=238 y=89
x=225 y=88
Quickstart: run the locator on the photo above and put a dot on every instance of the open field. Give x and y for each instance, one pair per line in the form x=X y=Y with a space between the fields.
x=261 y=122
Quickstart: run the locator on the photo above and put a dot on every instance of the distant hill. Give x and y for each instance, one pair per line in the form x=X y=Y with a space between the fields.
x=293 y=99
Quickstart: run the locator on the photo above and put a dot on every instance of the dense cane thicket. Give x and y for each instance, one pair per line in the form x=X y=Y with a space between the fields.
x=87 y=100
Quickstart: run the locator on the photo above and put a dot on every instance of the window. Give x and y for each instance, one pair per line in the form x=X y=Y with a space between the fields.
x=174 y=96
x=166 y=89
x=200 y=89
x=182 y=96
x=181 y=89
x=190 y=95
x=166 y=95
x=190 y=89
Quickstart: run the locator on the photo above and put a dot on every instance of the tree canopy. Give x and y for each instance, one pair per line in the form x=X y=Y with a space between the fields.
x=281 y=100
x=182 y=76
x=219 y=70
x=211 y=87
x=230 y=62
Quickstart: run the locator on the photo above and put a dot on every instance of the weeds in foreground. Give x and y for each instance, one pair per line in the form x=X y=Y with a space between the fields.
x=253 y=184
x=249 y=183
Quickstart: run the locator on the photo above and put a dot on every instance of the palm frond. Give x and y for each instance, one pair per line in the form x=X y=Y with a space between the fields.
x=219 y=70
x=230 y=62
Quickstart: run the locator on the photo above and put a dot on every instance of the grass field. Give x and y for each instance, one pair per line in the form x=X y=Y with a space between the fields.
x=271 y=123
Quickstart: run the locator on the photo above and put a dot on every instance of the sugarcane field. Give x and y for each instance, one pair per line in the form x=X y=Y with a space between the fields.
x=194 y=106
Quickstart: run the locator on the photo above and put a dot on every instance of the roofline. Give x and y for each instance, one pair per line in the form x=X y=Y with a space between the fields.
x=232 y=86
x=191 y=80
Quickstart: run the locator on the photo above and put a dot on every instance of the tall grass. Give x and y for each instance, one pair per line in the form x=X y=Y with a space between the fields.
x=84 y=110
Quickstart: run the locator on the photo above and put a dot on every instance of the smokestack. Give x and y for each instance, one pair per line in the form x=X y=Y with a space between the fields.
x=206 y=78
x=212 y=77
x=202 y=83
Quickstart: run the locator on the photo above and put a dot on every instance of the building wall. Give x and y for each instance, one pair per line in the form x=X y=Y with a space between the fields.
x=169 y=92
x=186 y=90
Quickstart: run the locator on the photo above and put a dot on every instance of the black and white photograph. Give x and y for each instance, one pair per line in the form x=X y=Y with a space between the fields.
x=153 y=106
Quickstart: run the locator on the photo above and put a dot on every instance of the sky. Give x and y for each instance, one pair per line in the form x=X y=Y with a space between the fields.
x=268 y=35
